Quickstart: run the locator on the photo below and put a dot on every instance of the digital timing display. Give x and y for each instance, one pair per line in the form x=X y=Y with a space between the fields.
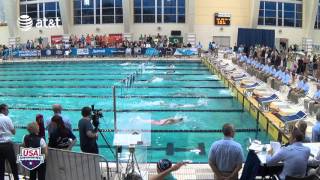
x=222 y=19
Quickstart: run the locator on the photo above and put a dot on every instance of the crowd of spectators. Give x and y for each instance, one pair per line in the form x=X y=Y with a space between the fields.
x=132 y=48
x=282 y=69
x=296 y=62
x=104 y=41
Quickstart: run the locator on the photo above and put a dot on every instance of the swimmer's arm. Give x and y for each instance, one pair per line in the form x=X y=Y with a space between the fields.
x=167 y=121
x=153 y=122
x=163 y=174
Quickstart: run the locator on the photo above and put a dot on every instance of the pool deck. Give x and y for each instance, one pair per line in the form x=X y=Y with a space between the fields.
x=187 y=172
x=282 y=94
x=171 y=58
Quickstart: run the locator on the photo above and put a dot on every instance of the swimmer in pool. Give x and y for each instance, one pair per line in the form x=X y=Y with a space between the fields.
x=199 y=104
x=183 y=105
x=172 y=69
x=164 y=122
x=185 y=94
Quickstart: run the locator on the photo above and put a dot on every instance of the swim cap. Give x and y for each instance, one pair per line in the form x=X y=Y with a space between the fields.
x=164 y=164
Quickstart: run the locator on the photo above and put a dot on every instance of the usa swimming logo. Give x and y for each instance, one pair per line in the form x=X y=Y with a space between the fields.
x=30 y=158
x=25 y=23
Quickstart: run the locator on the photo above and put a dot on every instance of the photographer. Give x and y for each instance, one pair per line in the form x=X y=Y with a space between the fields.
x=88 y=135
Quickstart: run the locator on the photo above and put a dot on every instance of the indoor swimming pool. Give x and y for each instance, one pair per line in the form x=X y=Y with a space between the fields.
x=144 y=91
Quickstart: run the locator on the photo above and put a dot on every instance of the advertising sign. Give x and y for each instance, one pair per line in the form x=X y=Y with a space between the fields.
x=83 y=51
x=29 y=53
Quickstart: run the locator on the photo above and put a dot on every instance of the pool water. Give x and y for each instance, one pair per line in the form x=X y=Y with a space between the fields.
x=191 y=92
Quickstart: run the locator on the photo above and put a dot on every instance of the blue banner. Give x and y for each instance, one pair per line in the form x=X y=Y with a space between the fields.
x=115 y=51
x=96 y=52
x=151 y=52
x=29 y=53
x=185 y=52
x=52 y=52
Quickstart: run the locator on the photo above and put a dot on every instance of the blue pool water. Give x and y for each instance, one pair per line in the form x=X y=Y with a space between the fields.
x=191 y=92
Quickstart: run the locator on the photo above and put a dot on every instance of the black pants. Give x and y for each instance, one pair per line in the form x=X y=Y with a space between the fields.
x=40 y=171
x=7 y=153
x=93 y=148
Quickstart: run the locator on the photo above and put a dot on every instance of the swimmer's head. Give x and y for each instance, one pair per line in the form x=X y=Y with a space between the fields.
x=180 y=119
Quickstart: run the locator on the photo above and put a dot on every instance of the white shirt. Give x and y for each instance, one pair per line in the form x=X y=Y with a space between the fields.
x=6 y=126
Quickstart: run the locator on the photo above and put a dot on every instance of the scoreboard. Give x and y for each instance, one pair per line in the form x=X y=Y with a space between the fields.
x=222 y=19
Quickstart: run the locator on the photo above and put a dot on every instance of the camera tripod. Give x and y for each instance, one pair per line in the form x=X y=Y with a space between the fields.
x=132 y=163
x=106 y=141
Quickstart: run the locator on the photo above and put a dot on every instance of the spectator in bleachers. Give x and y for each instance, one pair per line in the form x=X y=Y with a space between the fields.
x=300 y=66
x=316 y=130
x=272 y=71
x=314 y=65
x=294 y=157
x=32 y=140
x=243 y=58
x=199 y=48
x=317 y=74
x=226 y=155
x=6 y=146
x=61 y=137
x=280 y=74
x=306 y=61
x=313 y=105
x=286 y=78
x=266 y=71
x=57 y=109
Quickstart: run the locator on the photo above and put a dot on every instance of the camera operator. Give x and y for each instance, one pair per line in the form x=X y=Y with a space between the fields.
x=88 y=135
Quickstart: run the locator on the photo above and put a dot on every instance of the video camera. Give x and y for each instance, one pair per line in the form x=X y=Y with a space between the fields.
x=96 y=114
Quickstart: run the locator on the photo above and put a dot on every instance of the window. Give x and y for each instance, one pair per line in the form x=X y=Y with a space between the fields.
x=2 y=15
x=38 y=9
x=159 y=11
x=97 y=11
x=280 y=13
x=317 y=23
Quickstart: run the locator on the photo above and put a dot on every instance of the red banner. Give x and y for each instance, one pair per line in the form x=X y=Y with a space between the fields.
x=56 y=39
